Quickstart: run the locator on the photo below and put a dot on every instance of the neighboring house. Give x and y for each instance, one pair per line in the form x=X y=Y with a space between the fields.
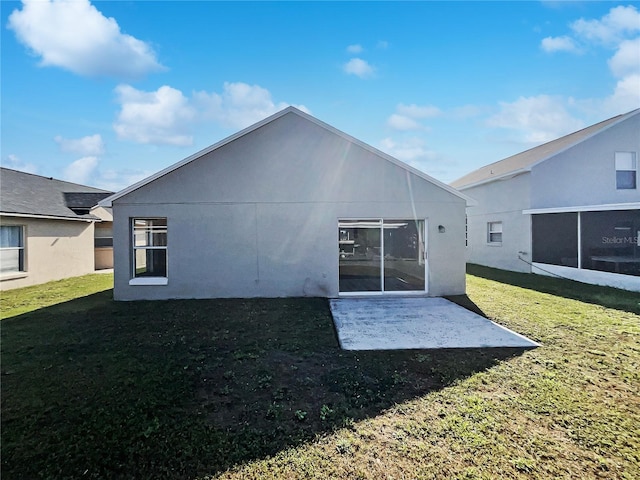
x=570 y=207
x=287 y=207
x=47 y=229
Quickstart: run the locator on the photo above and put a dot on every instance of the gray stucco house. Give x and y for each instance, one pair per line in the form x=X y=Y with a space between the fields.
x=50 y=229
x=288 y=207
x=570 y=207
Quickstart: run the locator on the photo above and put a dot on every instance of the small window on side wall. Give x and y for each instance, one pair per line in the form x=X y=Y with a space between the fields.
x=494 y=233
x=149 y=248
x=626 y=170
x=11 y=249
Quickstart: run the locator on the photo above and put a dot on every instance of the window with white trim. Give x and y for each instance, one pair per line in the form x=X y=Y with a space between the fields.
x=494 y=233
x=149 y=247
x=626 y=170
x=11 y=249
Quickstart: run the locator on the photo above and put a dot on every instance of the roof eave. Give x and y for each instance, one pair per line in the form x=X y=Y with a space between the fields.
x=584 y=208
x=504 y=176
x=50 y=217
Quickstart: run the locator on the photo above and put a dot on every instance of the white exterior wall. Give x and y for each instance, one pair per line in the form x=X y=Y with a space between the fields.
x=53 y=250
x=500 y=201
x=579 y=176
x=259 y=216
x=585 y=175
x=594 y=277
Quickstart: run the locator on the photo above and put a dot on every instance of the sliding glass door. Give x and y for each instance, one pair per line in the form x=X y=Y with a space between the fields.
x=381 y=256
x=360 y=248
x=404 y=266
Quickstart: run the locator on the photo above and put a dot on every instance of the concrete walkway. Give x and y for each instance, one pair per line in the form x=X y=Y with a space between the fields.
x=396 y=323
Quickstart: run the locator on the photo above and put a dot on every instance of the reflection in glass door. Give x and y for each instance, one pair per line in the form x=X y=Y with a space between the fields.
x=377 y=256
x=403 y=255
x=359 y=256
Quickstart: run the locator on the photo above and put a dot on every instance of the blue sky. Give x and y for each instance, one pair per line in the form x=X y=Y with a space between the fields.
x=106 y=93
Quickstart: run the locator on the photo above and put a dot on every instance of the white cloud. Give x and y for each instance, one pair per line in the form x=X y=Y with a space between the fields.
x=412 y=150
x=356 y=48
x=626 y=60
x=402 y=122
x=239 y=105
x=617 y=31
x=559 y=44
x=625 y=97
x=89 y=145
x=75 y=36
x=418 y=111
x=81 y=171
x=160 y=117
x=115 y=180
x=14 y=162
x=406 y=116
x=610 y=29
x=166 y=116
x=536 y=119
x=358 y=67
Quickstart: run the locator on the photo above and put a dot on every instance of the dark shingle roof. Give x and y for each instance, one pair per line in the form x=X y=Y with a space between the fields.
x=29 y=194
x=527 y=159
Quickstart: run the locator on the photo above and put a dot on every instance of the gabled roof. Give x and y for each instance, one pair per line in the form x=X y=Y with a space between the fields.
x=26 y=194
x=524 y=161
x=107 y=202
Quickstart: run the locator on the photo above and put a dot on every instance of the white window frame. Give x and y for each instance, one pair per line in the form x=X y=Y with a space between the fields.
x=22 y=264
x=626 y=162
x=493 y=229
x=21 y=272
x=136 y=280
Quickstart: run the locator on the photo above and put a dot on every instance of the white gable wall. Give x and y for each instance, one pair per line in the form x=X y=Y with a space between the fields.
x=287 y=160
x=259 y=216
x=585 y=174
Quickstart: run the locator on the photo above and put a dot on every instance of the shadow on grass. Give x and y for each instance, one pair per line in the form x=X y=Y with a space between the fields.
x=175 y=389
x=465 y=302
x=605 y=296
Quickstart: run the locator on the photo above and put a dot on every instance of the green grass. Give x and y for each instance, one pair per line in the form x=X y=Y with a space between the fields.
x=258 y=388
x=28 y=299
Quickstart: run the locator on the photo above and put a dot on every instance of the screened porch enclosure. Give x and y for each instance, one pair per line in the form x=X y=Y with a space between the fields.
x=607 y=241
x=381 y=256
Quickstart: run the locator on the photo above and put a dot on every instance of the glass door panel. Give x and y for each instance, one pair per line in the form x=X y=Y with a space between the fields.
x=360 y=265
x=404 y=263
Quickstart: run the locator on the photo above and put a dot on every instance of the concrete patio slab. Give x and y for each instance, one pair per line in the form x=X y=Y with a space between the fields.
x=396 y=323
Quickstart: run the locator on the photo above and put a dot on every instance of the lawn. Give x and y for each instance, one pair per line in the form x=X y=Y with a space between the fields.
x=259 y=388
